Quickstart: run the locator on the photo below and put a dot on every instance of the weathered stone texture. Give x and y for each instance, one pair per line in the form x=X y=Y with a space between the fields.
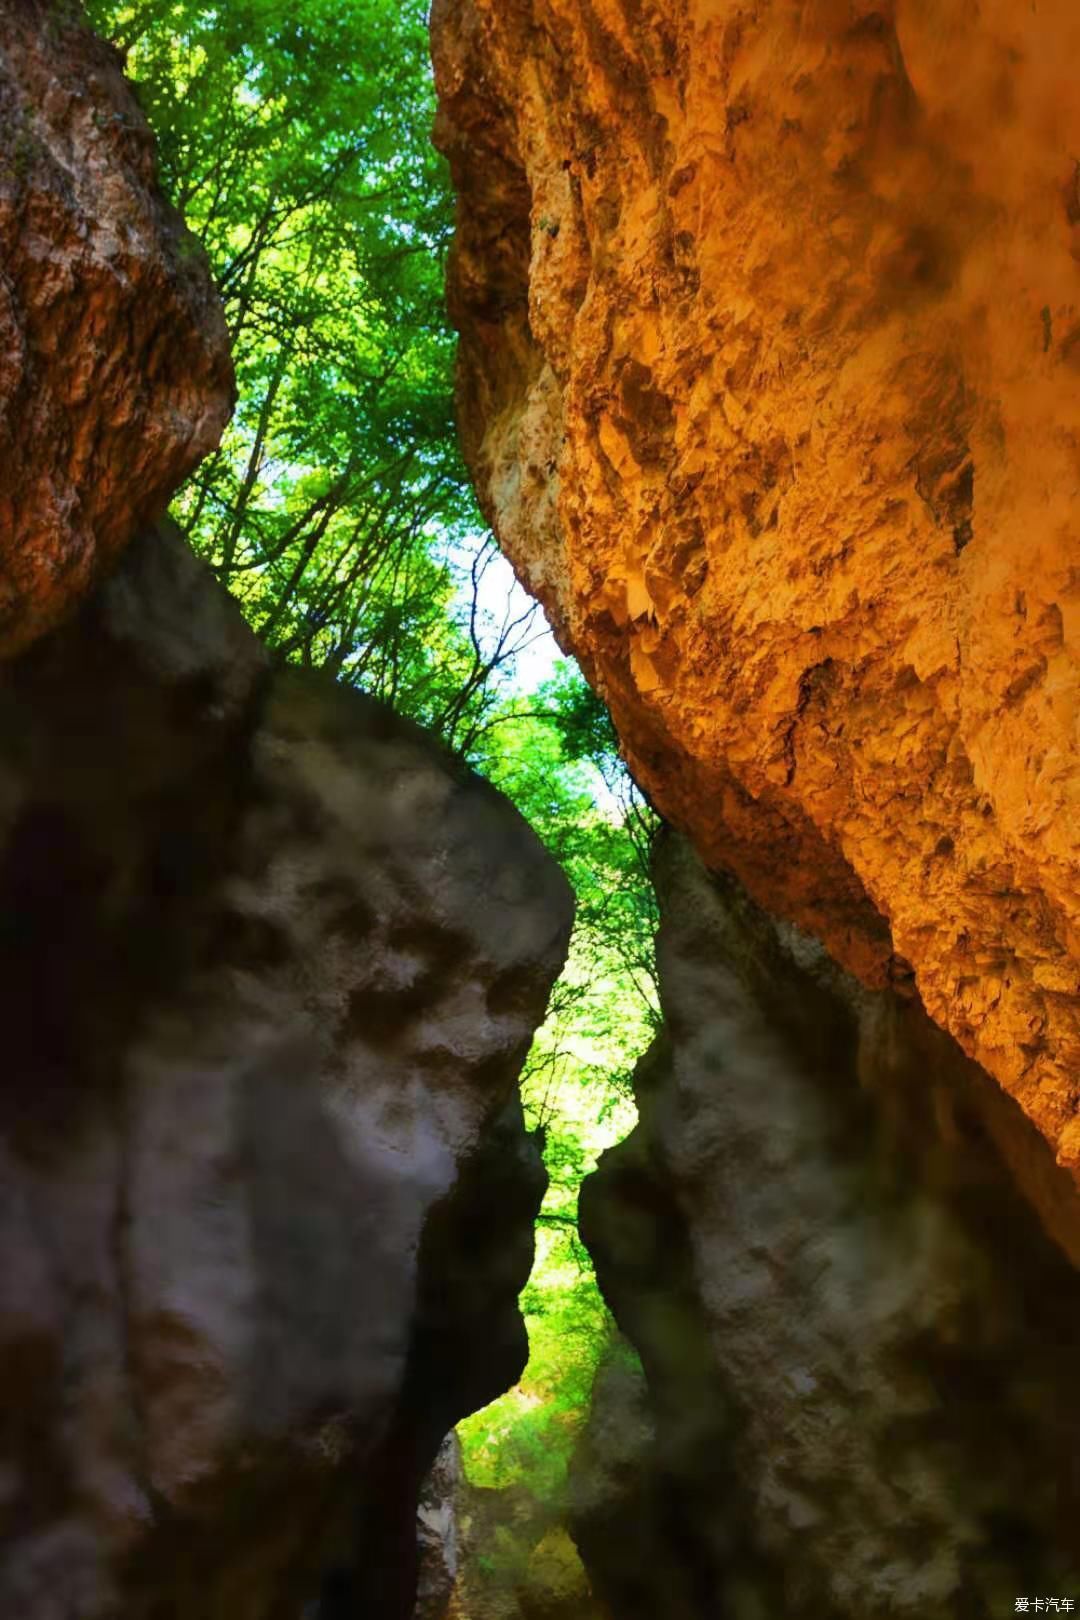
x=269 y=963
x=438 y=1533
x=625 y=1497
x=115 y=376
x=770 y=343
x=859 y=1342
x=517 y=1560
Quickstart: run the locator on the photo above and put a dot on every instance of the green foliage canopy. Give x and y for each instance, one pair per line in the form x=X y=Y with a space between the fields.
x=294 y=135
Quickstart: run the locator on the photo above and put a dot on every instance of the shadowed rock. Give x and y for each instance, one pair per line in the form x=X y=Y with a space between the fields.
x=858 y=1341
x=270 y=961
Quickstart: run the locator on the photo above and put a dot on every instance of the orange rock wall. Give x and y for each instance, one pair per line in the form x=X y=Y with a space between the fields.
x=770 y=384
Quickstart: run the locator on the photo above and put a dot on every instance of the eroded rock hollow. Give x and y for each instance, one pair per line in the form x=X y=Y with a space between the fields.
x=770 y=330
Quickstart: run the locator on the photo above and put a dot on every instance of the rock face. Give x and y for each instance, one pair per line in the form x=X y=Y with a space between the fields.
x=516 y=1560
x=269 y=963
x=621 y=1498
x=438 y=1533
x=859 y=1344
x=770 y=343
x=115 y=376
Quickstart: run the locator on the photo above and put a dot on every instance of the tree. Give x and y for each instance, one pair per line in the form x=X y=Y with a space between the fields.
x=294 y=136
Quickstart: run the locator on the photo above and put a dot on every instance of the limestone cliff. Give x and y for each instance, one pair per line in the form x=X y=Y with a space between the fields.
x=269 y=964
x=770 y=329
x=858 y=1341
x=115 y=376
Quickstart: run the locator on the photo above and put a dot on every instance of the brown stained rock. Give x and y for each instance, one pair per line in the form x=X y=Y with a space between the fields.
x=115 y=376
x=770 y=326
x=859 y=1343
x=270 y=961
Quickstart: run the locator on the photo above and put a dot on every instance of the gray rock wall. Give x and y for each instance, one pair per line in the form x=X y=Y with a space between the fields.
x=859 y=1342
x=270 y=961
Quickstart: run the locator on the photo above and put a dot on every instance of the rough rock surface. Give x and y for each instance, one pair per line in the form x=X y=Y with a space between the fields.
x=625 y=1495
x=269 y=963
x=860 y=1344
x=516 y=1560
x=438 y=1533
x=770 y=328
x=115 y=376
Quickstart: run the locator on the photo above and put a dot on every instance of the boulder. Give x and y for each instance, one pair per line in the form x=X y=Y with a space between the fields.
x=270 y=961
x=115 y=375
